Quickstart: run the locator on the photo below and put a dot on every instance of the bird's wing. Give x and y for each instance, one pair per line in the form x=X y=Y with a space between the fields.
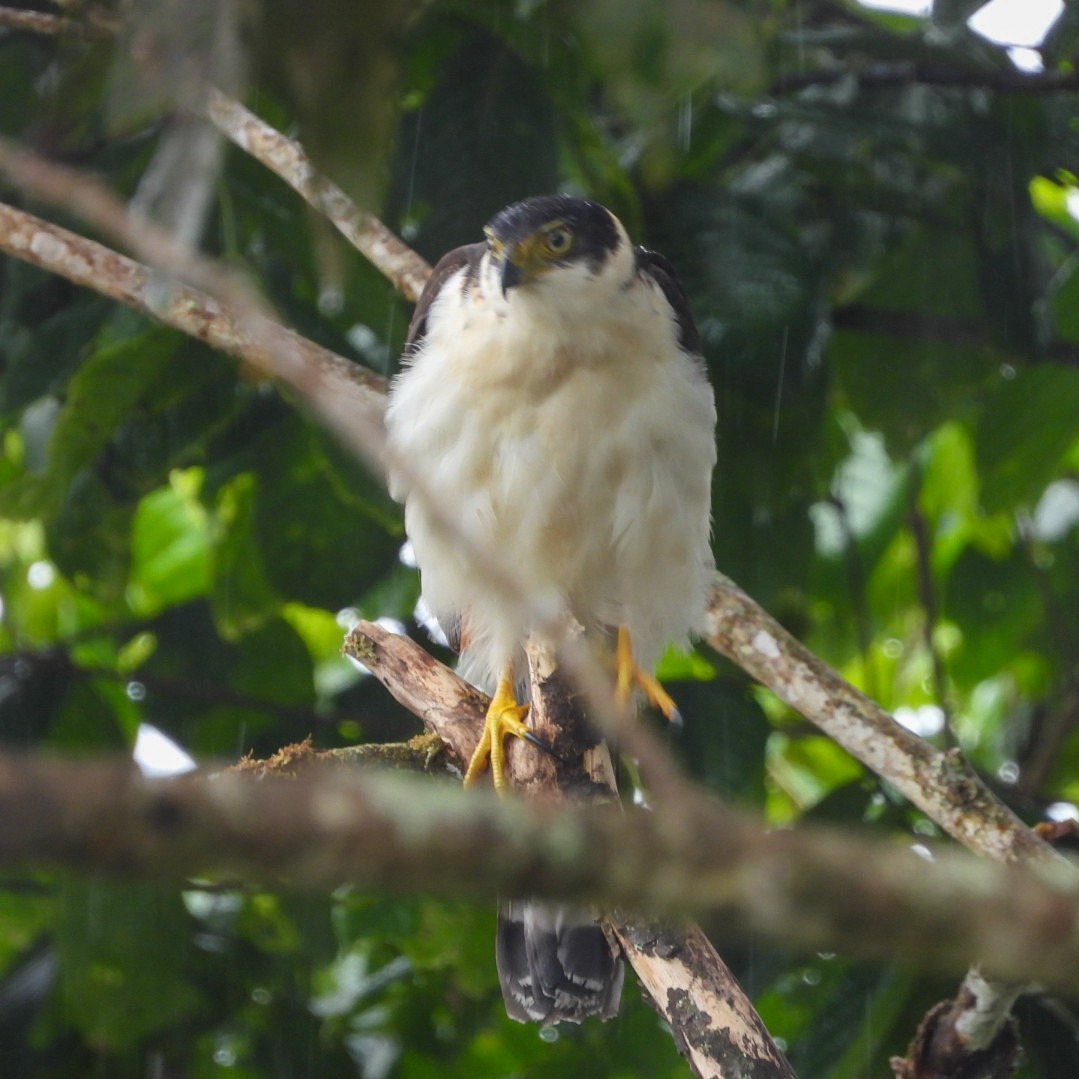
x=468 y=257
x=654 y=266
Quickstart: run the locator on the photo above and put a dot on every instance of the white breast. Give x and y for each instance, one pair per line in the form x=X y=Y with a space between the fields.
x=580 y=448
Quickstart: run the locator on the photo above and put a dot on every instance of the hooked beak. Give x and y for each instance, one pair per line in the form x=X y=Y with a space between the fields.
x=519 y=263
x=512 y=274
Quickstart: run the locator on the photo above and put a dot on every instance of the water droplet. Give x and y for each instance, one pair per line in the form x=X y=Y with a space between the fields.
x=40 y=575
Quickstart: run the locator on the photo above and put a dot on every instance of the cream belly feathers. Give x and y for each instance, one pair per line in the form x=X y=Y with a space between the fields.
x=566 y=427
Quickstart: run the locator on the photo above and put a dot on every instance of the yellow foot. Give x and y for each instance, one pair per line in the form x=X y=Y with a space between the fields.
x=504 y=716
x=628 y=675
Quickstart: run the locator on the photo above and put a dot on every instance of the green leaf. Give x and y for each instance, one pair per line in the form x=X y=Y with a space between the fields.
x=101 y=396
x=996 y=603
x=122 y=951
x=1053 y=200
x=242 y=597
x=322 y=632
x=96 y=716
x=485 y=135
x=1065 y=298
x=808 y=768
x=722 y=739
x=1029 y=422
x=321 y=532
x=89 y=537
x=170 y=547
x=27 y=908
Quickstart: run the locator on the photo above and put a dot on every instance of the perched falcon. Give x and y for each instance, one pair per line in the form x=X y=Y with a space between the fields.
x=553 y=395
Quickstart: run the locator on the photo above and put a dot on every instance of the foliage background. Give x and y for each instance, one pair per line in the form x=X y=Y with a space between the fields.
x=871 y=214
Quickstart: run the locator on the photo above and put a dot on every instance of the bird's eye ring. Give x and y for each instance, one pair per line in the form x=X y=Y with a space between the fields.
x=558 y=240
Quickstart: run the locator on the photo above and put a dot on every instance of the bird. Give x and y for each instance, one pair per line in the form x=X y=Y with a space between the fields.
x=553 y=395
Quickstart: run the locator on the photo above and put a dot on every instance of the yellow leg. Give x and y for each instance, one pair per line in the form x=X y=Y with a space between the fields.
x=628 y=675
x=504 y=716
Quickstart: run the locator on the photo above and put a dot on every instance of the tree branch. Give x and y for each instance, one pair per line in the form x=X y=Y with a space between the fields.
x=715 y=1025
x=808 y=888
x=970 y=1037
x=716 y=1028
x=95 y=24
x=942 y=785
x=908 y=73
x=382 y=248
x=186 y=309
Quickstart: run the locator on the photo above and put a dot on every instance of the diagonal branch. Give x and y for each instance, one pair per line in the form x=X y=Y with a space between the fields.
x=191 y=311
x=942 y=785
x=716 y=1027
x=395 y=259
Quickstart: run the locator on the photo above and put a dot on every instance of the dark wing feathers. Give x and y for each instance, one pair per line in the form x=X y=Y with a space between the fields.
x=468 y=256
x=660 y=270
x=555 y=964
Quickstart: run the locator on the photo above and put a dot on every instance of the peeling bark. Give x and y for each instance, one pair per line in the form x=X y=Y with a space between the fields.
x=970 y=1037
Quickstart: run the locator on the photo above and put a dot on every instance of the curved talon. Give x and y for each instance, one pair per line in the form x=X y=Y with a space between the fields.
x=628 y=675
x=539 y=743
x=504 y=716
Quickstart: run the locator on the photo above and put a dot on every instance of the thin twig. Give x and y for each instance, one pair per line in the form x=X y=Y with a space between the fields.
x=943 y=785
x=908 y=73
x=99 y=26
x=395 y=259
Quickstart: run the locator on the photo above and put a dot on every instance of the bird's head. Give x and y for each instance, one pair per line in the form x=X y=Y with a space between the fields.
x=532 y=240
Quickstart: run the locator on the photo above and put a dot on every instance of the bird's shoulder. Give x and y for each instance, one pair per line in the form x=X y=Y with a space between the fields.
x=659 y=269
x=467 y=258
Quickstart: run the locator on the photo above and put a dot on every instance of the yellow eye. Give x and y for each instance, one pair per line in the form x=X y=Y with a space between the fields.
x=559 y=240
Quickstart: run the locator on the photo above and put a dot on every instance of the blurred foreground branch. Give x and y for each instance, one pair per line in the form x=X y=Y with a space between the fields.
x=808 y=888
x=189 y=310
x=94 y=23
